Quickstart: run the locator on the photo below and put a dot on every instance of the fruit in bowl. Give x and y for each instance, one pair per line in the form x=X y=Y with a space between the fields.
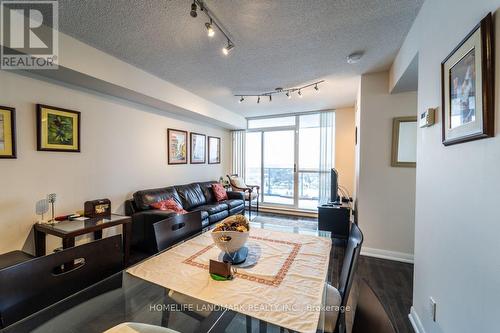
x=230 y=236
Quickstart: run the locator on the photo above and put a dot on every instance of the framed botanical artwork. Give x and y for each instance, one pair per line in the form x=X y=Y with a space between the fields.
x=57 y=129
x=467 y=84
x=198 y=148
x=177 y=146
x=213 y=150
x=7 y=132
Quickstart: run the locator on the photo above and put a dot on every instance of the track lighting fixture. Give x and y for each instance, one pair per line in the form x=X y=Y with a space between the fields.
x=287 y=91
x=212 y=24
x=193 y=12
x=227 y=48
x=210 y=29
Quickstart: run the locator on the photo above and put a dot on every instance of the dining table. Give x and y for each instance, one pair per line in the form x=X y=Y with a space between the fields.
x=282 y=286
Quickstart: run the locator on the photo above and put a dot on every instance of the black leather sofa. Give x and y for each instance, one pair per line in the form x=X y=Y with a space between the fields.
x=192 y=197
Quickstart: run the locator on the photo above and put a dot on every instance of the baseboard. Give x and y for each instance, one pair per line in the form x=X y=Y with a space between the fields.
x=415 y=321
x=390 y=255
x=286 y=211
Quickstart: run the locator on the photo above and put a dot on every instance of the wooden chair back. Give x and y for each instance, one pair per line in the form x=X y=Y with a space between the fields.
x=33 y=285
x=171 y=231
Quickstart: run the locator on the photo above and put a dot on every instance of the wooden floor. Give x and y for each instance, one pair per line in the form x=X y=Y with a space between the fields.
x=392 y=281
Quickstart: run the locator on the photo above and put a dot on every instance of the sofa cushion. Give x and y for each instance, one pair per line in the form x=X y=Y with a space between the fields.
x=212 y=209
x=219 y=192
x=143 y=199
x=191 y=195
x=218 y=216
x=233 y=203
x=169 y=204
x=206 y=187
x=237 y=210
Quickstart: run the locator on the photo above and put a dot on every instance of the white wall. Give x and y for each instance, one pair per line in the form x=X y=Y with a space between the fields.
x=344 y=147
x=385 y=194
x=457 y=199
x=123 y=150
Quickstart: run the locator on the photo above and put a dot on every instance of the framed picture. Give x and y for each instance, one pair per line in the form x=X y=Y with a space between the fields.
x=404 y=142
x=198 y=148
x=57 y=129
x=467 y=87
x=213 y=150
x=7 y=132
x=177 y=146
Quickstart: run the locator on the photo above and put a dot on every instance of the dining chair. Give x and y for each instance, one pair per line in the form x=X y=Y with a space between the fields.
x=370 y=313
x=33 y=285
x=169 y=232
x=174 y=229
x=252 y=192
x=334 y=321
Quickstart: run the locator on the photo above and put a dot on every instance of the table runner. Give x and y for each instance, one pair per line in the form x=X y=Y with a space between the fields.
x=284 y=288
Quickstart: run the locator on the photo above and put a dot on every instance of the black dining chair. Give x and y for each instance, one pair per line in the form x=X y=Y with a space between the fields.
x=177 y=228
x=169 y=232
x=334 y=321
x=370 y=313
x=33 y=285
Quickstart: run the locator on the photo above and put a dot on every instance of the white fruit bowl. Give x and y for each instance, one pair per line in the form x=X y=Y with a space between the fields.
x=230 y=241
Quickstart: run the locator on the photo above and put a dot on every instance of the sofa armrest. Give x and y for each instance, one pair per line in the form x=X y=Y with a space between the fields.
x=130 y=207
x=235 y=195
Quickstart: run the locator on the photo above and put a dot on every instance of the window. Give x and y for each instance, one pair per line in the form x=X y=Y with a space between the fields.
x=283 y=156
x=271 y=122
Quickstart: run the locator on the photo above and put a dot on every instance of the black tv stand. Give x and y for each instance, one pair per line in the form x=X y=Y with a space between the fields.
x=335 y=217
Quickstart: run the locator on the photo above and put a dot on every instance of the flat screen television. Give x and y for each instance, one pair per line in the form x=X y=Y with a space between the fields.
x=334 y=183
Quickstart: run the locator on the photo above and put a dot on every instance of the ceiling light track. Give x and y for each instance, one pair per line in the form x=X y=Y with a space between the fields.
x=288 y=92
x=213 y=22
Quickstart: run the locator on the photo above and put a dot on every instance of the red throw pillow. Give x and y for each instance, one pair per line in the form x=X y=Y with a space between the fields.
x=169 y=204
x=219 y=191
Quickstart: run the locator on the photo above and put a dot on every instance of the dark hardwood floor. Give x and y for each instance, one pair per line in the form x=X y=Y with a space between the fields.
x=392 y=281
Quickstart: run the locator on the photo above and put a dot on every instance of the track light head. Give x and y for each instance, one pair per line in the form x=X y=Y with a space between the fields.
x=227 y=48
x=270 y=98
x=300 y=93
x=288 y=95
x=210 y=29
x=242 y=99
x=258 y=99
x=193 y=12
x=316 y=88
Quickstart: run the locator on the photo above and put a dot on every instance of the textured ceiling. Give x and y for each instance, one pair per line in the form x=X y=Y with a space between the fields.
x=279 y=43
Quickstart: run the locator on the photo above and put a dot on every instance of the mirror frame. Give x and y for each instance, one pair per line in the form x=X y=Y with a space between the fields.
x=395 y=142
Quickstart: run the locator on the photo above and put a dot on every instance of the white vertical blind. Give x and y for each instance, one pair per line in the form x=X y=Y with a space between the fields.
x=326 y=150
x=238 y=153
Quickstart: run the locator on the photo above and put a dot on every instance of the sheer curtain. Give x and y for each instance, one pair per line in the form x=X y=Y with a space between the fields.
x=238 y=153
x=327 y=153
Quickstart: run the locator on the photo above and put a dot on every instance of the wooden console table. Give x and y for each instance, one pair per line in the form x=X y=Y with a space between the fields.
x=68 y=230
